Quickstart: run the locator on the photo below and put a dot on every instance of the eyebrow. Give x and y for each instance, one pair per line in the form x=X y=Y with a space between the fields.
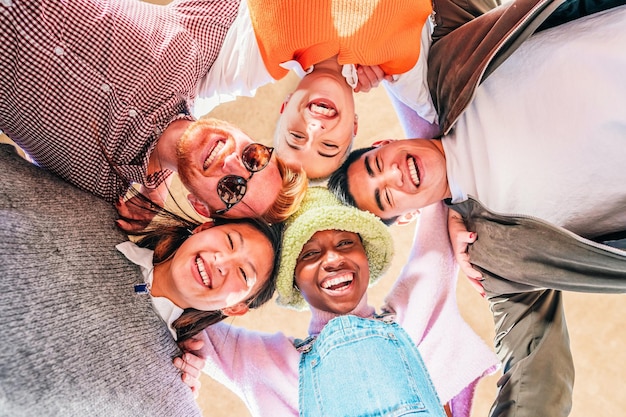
x=379 y=202
x=296 y=147
x=327 y=155
x=368 y=167
x=370 y=172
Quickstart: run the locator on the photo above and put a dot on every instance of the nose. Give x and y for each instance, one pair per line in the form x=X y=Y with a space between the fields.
x=315 y=126
x=332 y=261
x=234 y=165
x=391 y=176
x=226 y=264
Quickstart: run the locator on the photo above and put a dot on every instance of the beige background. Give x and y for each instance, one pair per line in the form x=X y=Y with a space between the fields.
x=594 y=320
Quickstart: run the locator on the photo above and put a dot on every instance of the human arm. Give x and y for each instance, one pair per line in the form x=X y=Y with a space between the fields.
x=424 y=301
x=100 y=356
x=260 y=368
x=238 y=69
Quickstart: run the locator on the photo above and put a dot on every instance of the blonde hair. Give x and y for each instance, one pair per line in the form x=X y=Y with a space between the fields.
x=294 y=186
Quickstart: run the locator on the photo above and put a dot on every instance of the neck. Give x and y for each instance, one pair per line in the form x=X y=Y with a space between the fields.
x=329 y=67
x=164 y=154
x=161 y=284
x=439 y=144
x=319 y=318
x=330 y=64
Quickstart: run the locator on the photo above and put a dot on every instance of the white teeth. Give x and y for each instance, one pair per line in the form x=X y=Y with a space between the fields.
x=323 y=110
x=341 y=279
x=216 y=150
x=202 y=271
x=413 y=171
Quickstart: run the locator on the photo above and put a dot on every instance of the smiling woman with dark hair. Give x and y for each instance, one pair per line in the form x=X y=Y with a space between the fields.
x=199 y=274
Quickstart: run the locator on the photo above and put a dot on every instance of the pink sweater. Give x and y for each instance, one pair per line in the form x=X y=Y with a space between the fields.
x=262 y=369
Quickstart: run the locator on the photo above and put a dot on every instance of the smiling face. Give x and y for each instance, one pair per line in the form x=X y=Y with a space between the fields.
x=317 y=124
x=332 y=271
x=211 y=149
x=219 y=267
x=399 y=177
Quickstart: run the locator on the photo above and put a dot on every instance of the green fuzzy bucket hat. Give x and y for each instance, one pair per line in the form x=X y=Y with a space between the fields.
x=321 y=210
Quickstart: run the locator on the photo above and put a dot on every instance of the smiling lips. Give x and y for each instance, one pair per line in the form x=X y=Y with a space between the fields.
x=413 y=170
x=323 y=108
x=213 y=154
x=206 y=279
x=338 y=283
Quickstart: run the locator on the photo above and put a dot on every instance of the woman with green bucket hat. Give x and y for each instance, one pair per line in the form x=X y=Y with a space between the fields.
x=355 y=361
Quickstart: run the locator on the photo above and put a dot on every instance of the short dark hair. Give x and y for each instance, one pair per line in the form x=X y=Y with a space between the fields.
x=338 y=182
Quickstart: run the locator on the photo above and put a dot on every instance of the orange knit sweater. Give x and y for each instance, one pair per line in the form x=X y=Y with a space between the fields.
x=365 y=32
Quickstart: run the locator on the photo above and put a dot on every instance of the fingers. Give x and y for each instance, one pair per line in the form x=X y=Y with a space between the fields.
x=369 y=77
x=466 y=237
x=130 y=226
x=192 y=345
x=135 y=214
x=189 y=364
x=122 y=208
x=468 y=269
x=193 y=383
x=460 y=239
x=477 y=285
x=136 y=208
x=196 y=362
x=463 y=240
x=190 y=367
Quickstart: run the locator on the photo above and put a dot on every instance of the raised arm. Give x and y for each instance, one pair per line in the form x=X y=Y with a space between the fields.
x=260 y=368
x=424 y=299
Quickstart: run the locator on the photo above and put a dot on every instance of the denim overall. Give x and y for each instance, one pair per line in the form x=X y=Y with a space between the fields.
x=360 y=367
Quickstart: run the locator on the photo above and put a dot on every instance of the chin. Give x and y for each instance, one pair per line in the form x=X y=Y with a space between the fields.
x=343 y=308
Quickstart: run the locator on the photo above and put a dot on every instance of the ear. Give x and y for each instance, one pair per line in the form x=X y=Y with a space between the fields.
x=198 y=206
x=407 y=218
x=282 y=106
x=382 y=142
x=204 y=226
x=238 y=309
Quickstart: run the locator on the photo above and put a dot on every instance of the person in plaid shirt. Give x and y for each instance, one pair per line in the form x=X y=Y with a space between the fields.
x=99 y=93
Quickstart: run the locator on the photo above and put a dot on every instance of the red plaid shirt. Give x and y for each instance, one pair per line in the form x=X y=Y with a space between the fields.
x=77 y=77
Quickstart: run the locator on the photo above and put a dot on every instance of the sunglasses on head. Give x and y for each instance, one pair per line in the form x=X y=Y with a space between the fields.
x=232 y=188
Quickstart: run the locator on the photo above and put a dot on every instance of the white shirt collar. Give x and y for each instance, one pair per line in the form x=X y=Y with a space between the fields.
x=348 y=71
x=167 y=310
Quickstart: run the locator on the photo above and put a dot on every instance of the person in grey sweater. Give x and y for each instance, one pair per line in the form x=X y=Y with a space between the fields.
x=77 y=339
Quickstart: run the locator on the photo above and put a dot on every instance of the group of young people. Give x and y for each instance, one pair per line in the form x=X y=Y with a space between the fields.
x=111 y=115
